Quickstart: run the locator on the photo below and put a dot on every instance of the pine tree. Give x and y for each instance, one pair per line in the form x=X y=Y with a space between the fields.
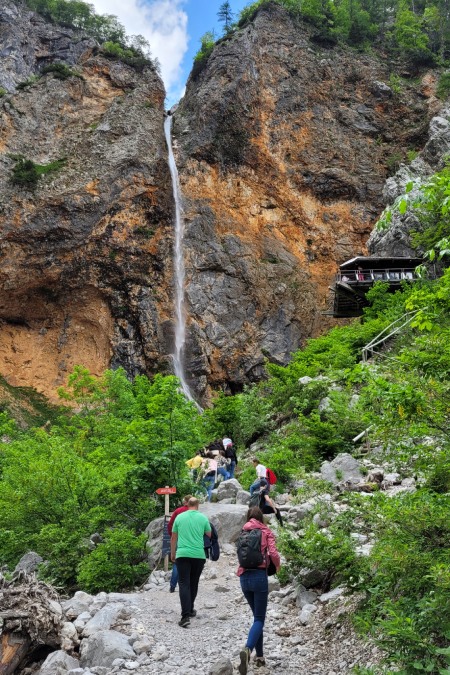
x=225 y=15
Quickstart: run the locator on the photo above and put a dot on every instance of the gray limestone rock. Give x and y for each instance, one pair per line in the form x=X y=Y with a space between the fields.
x=57 y=663
x=305 y=597
x=221 y=667
x=28 y=563
x=104 y=619
x=104 y=647
x=344 y=467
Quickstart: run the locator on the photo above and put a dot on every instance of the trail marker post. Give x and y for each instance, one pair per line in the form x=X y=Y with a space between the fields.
x=166 y=491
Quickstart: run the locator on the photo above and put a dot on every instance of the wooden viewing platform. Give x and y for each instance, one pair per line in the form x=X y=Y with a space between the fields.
x=357 y=275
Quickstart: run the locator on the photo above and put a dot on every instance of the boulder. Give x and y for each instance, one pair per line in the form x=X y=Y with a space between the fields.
x=305 y=597
x=343 y=468
x=74 y=607
x=28 y=563
x=104 y=647
x=242 y=497
x=104 y=619
x=57 y=663
x=221 y=667
x=227 y=518
x=228 y=489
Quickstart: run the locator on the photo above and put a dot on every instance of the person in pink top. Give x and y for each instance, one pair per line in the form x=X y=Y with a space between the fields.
x=255 y=587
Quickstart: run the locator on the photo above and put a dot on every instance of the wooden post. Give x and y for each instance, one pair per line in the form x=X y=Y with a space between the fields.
x=166 y=513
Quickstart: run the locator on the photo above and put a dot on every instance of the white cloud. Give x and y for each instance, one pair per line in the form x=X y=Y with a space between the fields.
x=164 y=24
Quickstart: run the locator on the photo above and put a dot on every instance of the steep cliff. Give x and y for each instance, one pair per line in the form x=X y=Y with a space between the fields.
x=282 y=145
x=283 y=149
x=85 y=257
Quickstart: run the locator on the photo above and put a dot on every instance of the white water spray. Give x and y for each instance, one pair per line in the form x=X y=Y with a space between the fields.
x=179 y=271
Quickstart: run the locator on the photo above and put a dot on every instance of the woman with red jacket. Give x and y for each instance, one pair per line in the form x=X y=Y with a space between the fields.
x=255 y=587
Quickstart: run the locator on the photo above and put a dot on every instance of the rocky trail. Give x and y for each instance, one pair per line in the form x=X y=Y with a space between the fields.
x=307 y=631
x=211 y=644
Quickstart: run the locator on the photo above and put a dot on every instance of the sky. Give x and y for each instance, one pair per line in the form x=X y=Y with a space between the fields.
x=173 y=29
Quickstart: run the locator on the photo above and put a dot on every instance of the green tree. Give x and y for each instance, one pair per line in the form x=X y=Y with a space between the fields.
x=226 y=16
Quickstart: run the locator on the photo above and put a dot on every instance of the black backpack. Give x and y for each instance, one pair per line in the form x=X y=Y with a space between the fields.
x=248 y=548
x=211 y=544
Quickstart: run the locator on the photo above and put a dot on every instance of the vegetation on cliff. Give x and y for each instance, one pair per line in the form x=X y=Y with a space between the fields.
x=417 y=32
x=106 y=29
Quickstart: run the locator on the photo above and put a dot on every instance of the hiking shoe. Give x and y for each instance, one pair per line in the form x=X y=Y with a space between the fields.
x=193 y=613
x=185 y=621
x=171 y=590
x=260 y=661
x=244 y=655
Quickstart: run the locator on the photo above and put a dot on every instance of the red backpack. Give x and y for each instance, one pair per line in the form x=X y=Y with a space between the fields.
x=271 y=477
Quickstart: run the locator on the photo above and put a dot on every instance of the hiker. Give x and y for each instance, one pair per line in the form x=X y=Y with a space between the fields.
x=222 y=465
x=209 y=466
x=187 y=551
x=255 y=587
x=194 y=464
x=230 y=454
x=180 y=509
x=266 y=504
x=261 y=472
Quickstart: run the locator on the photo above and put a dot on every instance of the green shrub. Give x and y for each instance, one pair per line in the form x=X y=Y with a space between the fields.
x=439 y=477
x=443 y=87
x=116 y=563
x=207 y=42
x=27 y=174
x=3 y=92
x=60 y=70
x=28 y=82
x=407 y=582
x=331 y=553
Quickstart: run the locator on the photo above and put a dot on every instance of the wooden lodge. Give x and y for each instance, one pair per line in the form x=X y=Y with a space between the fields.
x=357 y=275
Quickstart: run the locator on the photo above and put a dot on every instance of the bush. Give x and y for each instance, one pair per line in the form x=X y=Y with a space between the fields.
x=27 y=174
x=331 y=553
x=443 y=87
x=60 y=70
x=117 y=563
x=408 y=582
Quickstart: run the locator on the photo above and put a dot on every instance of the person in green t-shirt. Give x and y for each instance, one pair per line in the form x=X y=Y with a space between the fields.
x=187 y=550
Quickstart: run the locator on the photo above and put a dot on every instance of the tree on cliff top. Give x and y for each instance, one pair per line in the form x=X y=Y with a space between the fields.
x=226 y=16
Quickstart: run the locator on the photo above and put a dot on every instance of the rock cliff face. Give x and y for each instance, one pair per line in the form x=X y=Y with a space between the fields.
x=85 y=257
x=282 y=146
x=282 y=150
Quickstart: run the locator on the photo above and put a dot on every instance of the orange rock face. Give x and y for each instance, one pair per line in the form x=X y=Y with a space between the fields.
x=282 y=149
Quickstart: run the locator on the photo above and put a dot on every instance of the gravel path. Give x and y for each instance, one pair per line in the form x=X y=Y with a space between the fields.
x=327 y=646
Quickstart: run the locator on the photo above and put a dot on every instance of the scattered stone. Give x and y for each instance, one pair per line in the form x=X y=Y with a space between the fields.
x=58 y=662
x=104 y=647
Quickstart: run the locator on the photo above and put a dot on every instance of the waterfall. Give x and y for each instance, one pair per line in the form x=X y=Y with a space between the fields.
x=179 y=271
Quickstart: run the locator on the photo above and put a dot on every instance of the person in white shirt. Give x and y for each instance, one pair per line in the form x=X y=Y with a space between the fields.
x=261 y=472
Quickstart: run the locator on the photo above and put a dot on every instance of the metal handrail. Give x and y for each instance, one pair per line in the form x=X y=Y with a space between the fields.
x=379 y=339
x=368 y=275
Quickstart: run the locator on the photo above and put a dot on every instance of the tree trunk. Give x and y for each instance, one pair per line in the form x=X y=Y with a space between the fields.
x=13 y=649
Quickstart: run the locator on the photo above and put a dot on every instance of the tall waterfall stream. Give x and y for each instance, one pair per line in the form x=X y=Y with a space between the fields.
x=179 y=270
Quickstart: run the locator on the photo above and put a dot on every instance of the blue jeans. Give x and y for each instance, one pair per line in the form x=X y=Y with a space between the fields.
x=255 y=588
x=232 y=468
x=223 y=472
x=174 y=577
x=255 y=486
x=208 y=484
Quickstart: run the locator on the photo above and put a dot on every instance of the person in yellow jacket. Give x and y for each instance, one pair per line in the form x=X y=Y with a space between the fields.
x=194 y=464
